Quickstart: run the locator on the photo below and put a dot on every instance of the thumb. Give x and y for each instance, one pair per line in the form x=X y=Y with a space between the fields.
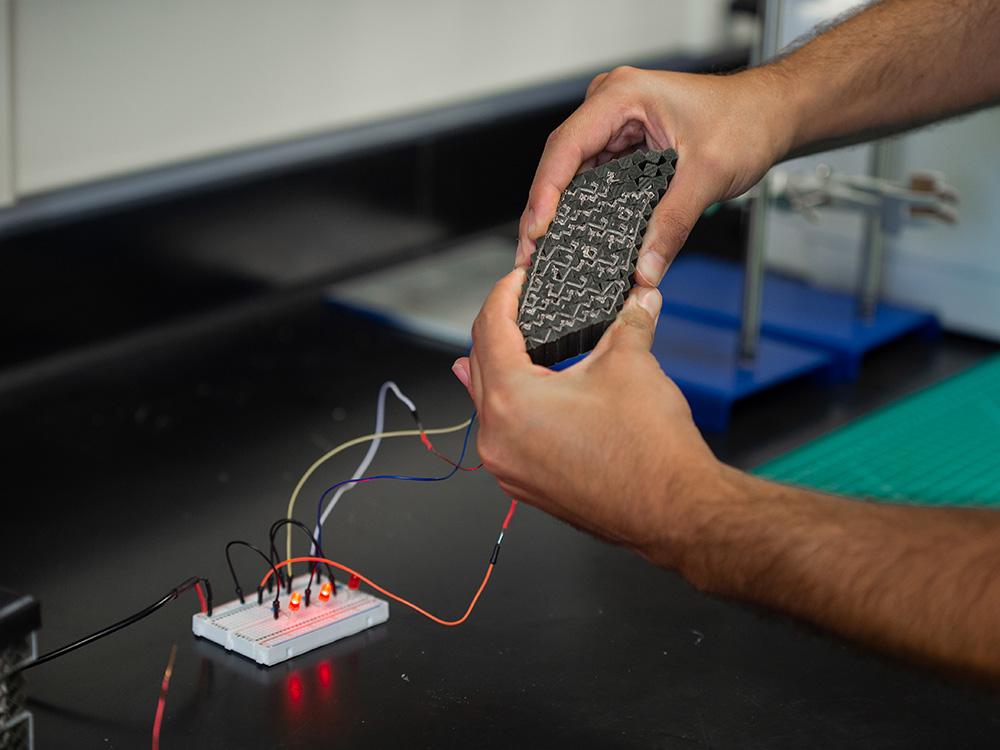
x=634 y=327
x=669 y=227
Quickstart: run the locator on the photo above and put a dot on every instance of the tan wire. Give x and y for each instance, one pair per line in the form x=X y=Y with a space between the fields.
x=350 y=444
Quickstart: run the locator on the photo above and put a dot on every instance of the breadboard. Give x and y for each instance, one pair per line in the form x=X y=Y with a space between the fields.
x=584 y=265
x=251 y=630
x=936 y=447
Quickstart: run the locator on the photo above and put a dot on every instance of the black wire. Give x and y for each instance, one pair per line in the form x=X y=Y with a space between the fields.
x=208 y=596
x=286 y=577
x=276 y=526
x=236 y=581
x=130 y=620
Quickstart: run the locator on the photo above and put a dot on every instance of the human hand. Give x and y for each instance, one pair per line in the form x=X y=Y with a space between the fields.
x=607 y=444
x=726 y=130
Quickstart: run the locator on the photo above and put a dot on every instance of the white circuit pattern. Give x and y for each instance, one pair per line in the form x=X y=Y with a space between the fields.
x=585 y=264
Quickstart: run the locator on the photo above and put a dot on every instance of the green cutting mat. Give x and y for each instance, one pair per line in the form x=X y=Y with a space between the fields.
x=940 y=446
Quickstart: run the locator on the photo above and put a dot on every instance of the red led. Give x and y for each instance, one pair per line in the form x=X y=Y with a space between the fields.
x=354 y=582
x=295 y=688
x=325 y=674
x=295 y=600
x=324 y=591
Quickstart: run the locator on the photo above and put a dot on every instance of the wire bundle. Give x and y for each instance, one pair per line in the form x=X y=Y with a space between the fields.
x=324 y=508
x=447 y=623
x=203 y=588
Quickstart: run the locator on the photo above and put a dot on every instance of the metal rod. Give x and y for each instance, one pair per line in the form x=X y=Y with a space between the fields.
x=753 y=275
x=873 y=249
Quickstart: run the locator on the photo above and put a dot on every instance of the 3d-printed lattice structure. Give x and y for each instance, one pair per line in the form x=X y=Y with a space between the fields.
x=584 y=266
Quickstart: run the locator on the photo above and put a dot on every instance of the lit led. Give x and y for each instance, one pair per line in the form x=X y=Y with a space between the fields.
x=325 y=674
x=295 y=688
x=295 y=600
x=324 y=591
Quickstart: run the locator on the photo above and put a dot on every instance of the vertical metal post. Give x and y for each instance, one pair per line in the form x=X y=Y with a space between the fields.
x=753 y=277
x=873 y=250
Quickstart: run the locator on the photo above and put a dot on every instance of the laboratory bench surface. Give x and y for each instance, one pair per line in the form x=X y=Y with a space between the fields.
x=130 y=472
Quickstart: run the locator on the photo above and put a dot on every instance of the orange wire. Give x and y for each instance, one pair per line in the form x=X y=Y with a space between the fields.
x=401 y=600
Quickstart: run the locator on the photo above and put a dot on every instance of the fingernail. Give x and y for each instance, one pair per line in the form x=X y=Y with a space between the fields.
x=533 y=231
x=519 y=259
x=648 y=298
x=651 y=267
x=461 y=372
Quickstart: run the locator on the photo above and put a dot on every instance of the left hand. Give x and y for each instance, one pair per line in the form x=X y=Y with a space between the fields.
x=701 y=116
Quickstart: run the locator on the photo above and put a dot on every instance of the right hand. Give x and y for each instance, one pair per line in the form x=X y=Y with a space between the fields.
x=607 y=444
x=727 y=131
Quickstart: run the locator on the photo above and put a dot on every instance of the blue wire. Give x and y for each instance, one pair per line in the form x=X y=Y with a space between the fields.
x=401 y=477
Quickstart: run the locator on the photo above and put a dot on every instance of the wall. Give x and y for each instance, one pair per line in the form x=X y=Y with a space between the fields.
x=6 y=109
x=954 y=270
x=106 y=87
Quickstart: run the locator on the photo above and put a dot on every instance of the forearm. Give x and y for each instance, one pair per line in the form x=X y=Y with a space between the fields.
x=891 y=67
x=923 y=582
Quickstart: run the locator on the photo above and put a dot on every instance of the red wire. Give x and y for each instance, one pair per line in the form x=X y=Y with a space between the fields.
x=201 y=598
x=396 y=597
x=161 y=704
x=430 y=446
x=510 y=514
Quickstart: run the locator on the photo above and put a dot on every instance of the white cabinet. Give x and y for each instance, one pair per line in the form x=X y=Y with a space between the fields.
x=109 y=87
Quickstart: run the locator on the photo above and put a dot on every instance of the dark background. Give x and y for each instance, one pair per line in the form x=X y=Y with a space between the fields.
x=168 y=371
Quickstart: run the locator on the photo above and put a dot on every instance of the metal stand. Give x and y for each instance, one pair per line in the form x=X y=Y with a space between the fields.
x=753 y=279
x=872 y=258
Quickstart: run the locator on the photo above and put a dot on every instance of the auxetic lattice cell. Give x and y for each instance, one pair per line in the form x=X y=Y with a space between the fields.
x=584 y=266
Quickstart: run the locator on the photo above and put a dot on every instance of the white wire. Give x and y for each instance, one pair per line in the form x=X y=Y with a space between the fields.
x=399 y=394
x=372 y=449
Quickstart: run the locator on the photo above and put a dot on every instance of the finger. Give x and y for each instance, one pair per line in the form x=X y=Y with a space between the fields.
x=476 y=377
x=461 y=371
x=625 y=140
x=604 y=157
x=670 y=225
x=497 y=342
x=581 y=137
x=523 y=255
x=634 y=327
x=595 y=84
x=525 y=246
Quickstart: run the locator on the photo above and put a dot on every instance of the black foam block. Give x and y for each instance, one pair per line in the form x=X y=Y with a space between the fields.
x=584 y=266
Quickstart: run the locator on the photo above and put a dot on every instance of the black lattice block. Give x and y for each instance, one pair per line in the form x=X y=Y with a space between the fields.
x=584 y=266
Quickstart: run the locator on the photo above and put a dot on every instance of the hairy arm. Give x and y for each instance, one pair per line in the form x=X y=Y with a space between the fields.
x=609 y=446
x=920 y=582
x=892 y=66
x=895 y=65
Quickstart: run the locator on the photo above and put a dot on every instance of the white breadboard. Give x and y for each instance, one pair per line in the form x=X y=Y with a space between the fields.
x=251 y=630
